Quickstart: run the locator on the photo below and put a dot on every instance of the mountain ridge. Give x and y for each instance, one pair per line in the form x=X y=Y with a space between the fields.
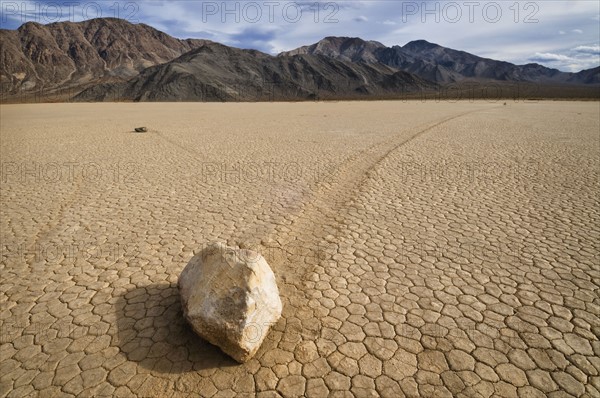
x=111 y=59
x=59 y=54
x=215 y=72
x=437 y=63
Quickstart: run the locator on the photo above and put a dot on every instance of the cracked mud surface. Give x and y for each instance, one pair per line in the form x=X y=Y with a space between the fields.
x=421 y=249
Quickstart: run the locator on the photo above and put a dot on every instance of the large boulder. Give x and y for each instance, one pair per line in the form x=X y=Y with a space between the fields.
x=230 y=298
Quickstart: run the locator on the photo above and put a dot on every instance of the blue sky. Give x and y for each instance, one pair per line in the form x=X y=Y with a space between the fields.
x=554 y=33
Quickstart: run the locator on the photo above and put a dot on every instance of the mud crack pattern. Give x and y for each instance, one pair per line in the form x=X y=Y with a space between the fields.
x=421 y=249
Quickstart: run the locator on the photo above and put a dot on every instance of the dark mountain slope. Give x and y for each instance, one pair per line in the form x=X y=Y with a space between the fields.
x=215 y=72
x=436 y=63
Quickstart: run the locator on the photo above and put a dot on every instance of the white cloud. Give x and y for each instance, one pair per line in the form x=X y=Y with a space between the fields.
x=588 y=49
x=551 y=57
x=573 y=60
x=578 y=31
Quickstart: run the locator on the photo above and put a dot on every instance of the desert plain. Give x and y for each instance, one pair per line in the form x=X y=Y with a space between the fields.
x=422 y=249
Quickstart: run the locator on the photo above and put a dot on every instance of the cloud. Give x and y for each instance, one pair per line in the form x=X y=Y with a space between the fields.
x=578 y=31
x=573 y=60
x=550 y=57
x=588 y=49
x=256 y=38
x=361 y=18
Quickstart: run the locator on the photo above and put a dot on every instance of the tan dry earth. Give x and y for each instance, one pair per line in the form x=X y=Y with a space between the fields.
x=421 y=249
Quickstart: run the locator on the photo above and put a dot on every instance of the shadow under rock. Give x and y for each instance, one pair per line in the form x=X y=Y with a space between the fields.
x=153 y=332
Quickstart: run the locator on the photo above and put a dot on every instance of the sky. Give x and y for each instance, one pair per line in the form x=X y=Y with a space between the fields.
x=555 y=33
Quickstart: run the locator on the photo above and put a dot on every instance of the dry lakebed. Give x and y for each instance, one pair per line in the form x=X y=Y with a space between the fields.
x=421 y=249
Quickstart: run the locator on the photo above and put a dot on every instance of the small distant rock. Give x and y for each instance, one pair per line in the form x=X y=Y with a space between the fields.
x=141 y=129
x=230 y=298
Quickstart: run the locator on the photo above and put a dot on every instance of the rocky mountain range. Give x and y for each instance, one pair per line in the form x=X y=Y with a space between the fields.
x=214 y=72
x=66 y=54
x=109 y=59
x=440 y=64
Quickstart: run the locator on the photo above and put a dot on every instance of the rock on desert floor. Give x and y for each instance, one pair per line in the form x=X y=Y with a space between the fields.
x=421 y=248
